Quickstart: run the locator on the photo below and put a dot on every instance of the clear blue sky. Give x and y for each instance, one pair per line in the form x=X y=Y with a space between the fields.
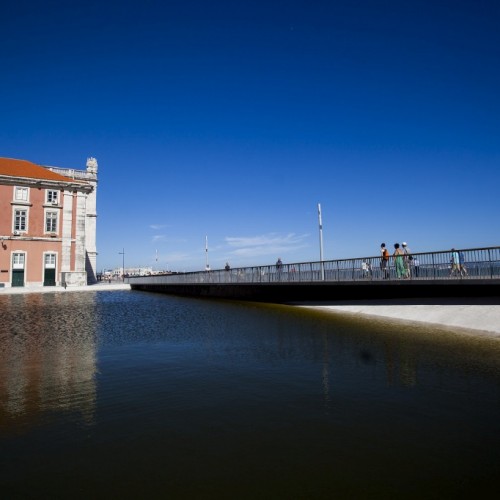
x=234 y=119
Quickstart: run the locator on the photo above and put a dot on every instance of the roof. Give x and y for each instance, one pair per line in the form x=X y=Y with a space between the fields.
x=26 y=169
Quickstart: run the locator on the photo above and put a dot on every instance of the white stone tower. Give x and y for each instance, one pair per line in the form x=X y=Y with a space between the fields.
x=91 y=223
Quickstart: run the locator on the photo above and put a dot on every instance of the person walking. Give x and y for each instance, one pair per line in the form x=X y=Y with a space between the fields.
x=367 y=269
x=384 y=261
x=407 y=258
x=455 y=263
x=364 y=268
x=399 y=262
x=463 y=269
x=416 y=266
x=279 y=267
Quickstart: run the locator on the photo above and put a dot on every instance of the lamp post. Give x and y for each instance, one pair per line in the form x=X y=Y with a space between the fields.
x=123 y=264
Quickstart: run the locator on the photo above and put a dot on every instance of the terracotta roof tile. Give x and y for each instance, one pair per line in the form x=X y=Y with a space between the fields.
x=23 y=168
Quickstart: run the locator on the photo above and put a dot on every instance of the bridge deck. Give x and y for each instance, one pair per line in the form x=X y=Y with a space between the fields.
x=436 y=274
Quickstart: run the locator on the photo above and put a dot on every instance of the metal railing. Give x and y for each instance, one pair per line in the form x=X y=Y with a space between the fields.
x=475 y=263
x=72 y=173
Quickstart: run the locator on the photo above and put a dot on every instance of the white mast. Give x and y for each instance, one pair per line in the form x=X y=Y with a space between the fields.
x=207 y=267
x=321 y=242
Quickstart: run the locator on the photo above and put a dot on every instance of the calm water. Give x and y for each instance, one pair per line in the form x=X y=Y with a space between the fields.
x=136 y=395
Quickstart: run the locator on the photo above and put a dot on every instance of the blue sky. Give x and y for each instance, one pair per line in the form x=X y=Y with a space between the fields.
x=233 y=120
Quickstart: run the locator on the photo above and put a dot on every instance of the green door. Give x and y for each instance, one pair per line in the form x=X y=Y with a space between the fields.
x=49 y=277
x=18 y=260
x=49 y=271
x=18 y=277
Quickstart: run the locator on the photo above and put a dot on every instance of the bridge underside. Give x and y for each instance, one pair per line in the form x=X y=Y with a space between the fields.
x=327 y=291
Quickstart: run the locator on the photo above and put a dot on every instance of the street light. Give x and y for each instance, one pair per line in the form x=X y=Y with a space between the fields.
x=123 y=263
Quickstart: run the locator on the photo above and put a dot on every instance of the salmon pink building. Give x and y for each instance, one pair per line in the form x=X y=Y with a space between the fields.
x=47 y=224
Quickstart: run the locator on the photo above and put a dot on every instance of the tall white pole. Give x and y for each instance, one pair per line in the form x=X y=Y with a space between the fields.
x=123 y=264
x=207 y=267
x=321 y=242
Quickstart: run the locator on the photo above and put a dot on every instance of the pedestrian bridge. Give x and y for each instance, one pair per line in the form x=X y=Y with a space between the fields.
x=423 y=275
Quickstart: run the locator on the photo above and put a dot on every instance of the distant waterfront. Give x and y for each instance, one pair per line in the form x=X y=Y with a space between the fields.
x=102 y=286
x=134 y=394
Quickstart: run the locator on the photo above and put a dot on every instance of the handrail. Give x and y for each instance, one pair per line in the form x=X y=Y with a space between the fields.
x=472 y=263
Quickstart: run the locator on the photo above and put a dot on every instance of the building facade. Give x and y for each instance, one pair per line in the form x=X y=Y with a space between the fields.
x=47 y=224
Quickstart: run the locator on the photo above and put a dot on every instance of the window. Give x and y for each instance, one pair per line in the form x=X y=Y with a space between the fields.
x=18 y=261
x=51 y=222
x=52 y=197
x=50 y=260
x=21 y=194
x=20 y=218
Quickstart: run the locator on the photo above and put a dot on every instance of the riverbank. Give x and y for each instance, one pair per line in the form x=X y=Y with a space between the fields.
x=482 y=315
x=98 y=287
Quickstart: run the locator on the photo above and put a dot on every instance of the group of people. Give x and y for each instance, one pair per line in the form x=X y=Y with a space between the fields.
x=405 y=264
x=403 y=261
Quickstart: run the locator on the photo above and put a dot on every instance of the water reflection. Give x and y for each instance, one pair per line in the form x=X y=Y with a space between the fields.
x=47 y=356
x=400 y=366
x=209 y=399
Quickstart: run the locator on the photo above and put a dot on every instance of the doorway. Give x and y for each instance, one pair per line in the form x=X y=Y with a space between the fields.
x=18 y=260
x=49 y=270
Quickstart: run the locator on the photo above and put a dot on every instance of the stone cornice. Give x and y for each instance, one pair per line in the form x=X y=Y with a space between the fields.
x=8 y=180
x=34 y=238
x=21 y=203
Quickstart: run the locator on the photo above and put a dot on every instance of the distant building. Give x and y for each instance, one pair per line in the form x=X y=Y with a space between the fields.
x=130 y=271
x=47 y=224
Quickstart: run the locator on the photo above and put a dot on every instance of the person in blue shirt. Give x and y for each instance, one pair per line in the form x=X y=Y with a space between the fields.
x=455 y=263
x=461 y=259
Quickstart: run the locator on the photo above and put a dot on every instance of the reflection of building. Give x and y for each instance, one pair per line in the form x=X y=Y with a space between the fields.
x=52 y=366
x=47 y=224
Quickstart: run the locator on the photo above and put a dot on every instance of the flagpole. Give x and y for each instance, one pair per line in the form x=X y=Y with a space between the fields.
x=321 y=242
x=206 y=254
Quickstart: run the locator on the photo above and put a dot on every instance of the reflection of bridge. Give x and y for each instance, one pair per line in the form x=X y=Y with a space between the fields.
x=422 y=275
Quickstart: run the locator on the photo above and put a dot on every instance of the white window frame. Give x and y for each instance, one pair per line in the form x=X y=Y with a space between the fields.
x=56 y=218
x=26 y=218
x=52 y=196
x=21 y=194
x=49 y=260
x=17 y=262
